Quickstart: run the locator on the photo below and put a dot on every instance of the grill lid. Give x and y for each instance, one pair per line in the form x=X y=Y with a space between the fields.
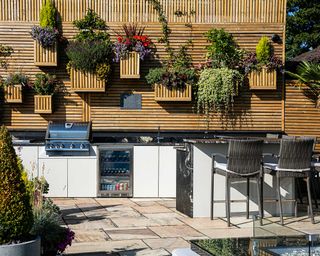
x=68 y=131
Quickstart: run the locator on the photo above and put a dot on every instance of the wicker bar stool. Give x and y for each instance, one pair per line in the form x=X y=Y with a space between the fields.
x=243 y=160
x=294 y=160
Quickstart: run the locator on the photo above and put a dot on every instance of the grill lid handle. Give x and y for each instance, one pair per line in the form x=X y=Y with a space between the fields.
x=68 y=125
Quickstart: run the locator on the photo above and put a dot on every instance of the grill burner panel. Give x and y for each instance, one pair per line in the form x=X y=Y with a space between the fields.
x=68 y=138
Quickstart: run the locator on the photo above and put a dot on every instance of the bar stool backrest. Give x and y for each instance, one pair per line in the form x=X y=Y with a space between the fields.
x=296 y=154
x=245 y=156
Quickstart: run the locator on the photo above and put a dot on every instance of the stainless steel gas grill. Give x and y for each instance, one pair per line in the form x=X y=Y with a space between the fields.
x=68 y=138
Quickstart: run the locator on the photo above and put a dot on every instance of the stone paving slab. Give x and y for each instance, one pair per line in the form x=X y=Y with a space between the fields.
x=178 y=231
x=82 y=236
x=126 y=234
x=139 y=221
x=152 y=209
x=107 y=246
x=146 y=252
x=169 y=243
x=91 y=225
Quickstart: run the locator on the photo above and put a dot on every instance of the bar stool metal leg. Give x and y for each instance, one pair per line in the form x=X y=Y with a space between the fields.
x=212 y=195
x=248 y=195
x=313 y=186
x=279 y=198
x=310 y=200
x=261 y=194
x=259 y=200
x=228 y=200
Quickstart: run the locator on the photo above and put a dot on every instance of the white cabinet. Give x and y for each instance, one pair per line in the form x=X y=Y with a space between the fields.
x=145 y=171
x=154 y=171
x=167 y=171
x=55 y=172
x=82 y=177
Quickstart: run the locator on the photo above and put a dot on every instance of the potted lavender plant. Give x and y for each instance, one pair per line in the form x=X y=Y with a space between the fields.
x=45 y=36
x=130 y=48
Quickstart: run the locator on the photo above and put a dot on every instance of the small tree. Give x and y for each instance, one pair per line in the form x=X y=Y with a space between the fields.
x=16 y=217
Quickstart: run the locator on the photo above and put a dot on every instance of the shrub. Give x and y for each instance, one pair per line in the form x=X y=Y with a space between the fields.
x=48 y=15
x=89 y=56
x=263 y=50
x=223 y=50
x=44 y=84
x=91 y=51
x=15 y=78
x=54 y=238
x=176 y=74
x=46 y=36
x=16 y=216
x=217 y=88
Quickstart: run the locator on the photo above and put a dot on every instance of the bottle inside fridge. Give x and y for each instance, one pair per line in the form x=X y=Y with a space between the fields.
x=115 y=172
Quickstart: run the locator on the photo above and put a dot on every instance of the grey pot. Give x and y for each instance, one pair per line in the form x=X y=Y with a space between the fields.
x=30 y=248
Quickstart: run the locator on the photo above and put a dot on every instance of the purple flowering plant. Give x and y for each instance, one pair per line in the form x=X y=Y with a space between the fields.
x=67 y=241
x=250 y=63
x=133 y=40
x=46 y=36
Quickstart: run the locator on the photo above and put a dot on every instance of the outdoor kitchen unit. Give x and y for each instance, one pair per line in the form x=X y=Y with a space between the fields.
x=68 y=138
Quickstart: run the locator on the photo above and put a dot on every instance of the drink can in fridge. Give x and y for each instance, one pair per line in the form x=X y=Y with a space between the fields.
x=125 y=186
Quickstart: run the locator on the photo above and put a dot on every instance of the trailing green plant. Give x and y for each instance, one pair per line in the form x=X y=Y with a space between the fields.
x=217 y=89
x=16 y=218
x=5 y=51
x=91 y=51
x=224 y=247
x=48 y=14
x=15 y=78
x=45 y=84
x=264 y=50
x=309 y=74
x=223 y=51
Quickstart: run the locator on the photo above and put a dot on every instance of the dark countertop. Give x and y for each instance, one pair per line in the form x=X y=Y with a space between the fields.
x=226 y=139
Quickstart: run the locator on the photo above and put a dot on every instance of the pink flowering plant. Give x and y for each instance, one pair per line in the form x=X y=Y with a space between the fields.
x=132 y=40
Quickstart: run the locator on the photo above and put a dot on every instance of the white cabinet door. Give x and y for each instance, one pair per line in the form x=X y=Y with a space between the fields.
x=29 y=157
x=56 y=173
x=167 y=171
x=145 y=171
x=82 y=177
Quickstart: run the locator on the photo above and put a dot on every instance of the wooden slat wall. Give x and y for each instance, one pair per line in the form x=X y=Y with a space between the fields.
x=302 y=117
x=206 y=11
x=254 y=110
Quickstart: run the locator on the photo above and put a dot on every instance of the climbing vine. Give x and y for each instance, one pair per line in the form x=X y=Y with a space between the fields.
x=166 y=31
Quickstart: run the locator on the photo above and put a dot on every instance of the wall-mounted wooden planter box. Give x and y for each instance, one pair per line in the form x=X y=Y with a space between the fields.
x=162 y=93
x=13 y=93
x=130 y=66
x=43 y=104
x=263 y=80
x=86 y=82
x=45 y=57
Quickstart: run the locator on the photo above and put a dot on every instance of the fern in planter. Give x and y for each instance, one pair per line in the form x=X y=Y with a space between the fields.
x=217 y=89
x=44 y=84
x=15 y=79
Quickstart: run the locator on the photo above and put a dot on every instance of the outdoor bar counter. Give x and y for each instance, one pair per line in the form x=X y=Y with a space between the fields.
x=194 y=182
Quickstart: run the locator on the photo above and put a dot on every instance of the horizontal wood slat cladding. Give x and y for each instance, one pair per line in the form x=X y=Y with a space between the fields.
x=253 y=110
x=302 y=118
x=205 y=11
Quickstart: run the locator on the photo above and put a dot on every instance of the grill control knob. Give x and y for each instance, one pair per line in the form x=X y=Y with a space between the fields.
x=57 y=146
x=51 y=146
x=71 y=145
x=82 y=146
x=61 y=146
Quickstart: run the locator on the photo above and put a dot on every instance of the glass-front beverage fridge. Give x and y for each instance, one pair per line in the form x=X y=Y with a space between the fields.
x=116 y=166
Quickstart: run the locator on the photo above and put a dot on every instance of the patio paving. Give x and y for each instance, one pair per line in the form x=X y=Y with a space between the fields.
x=117 y=226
